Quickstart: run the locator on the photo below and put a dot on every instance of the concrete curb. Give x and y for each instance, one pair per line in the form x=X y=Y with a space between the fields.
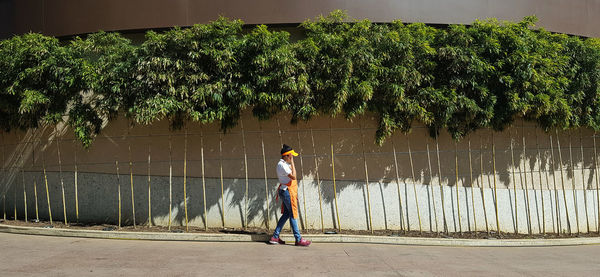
x=218 y=237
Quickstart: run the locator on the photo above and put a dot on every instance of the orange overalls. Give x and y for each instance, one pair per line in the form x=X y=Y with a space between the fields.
x=293 y=190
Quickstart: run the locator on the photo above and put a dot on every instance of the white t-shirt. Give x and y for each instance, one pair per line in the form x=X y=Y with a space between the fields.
x=283 y=170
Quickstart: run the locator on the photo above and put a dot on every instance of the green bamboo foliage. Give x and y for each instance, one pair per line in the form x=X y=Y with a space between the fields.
x=583 y=92
x=40 y=81
x=460 y=97
x=274 y=74
x=406 y=64
x=460 y=78
x=109 y=61
x=192 y=74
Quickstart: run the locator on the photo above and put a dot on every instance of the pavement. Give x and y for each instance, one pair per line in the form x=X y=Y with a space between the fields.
x=320 y=238
x=31 y=255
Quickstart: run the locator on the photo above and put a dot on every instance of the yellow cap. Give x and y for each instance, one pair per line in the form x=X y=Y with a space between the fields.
x=290 y=152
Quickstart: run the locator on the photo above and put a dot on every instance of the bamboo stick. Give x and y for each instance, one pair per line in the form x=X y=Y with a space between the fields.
x=563 y=182
x=512 y=158
x=32 y=141
x=457 y=183
x=149 y=179
x=333 y=176
x=554 y=214
x=362 y=139
x=554 y=227
x=185 y=141
x=221 y=175
x=3 y=176
x=487 y=228
x=539 y=158
x=279 y=132
x=14 y=186
x=312 y=137
x=171 y=178
x=534 y=209
x=472 y=189
x=245 y=223
x=131 y=175
x=587 y=221
x=575 y=206
x=494 y=175
x=119 y=188
x=23 y=182
x=398 y=187
x=529 y=221
x=301 y=181
x=76 y=190
x=437 y=230
x=597 y=185
x=203 y=181
x=46 y=184
x=437 y=148
x=62 y=183
x=558 y=221
x=412 y=169
x=37 y=214
x=15 y=201
x=262 y=143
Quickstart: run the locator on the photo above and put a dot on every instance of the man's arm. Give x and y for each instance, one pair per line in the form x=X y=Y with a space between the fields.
x=293 y=174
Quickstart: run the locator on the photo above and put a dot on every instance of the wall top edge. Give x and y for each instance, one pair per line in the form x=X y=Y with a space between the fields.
x=71 y=17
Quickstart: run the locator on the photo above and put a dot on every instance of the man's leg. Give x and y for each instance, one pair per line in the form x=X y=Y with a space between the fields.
x=287 y=202
x=286 y=213
x=294 y=225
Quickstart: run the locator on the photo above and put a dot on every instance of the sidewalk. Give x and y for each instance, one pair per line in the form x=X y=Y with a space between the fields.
x=321 y=238
x=28 y=255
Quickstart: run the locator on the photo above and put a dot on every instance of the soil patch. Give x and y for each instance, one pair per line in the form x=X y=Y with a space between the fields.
x=262 y=231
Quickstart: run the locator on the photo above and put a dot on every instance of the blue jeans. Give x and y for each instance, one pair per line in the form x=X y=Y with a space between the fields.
x=284 y=195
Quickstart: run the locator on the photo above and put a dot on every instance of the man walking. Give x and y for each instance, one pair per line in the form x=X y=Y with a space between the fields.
x=288 y=192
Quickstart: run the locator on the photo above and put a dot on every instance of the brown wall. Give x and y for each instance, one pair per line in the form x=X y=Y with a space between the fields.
x=114 y=142
x=512 y=182
x=68 y=17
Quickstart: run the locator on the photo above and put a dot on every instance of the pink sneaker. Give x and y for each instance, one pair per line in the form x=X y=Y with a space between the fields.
x=303 y=242
x=274 y=240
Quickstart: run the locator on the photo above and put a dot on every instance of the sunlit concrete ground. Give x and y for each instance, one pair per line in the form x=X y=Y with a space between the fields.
x=23 y=255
